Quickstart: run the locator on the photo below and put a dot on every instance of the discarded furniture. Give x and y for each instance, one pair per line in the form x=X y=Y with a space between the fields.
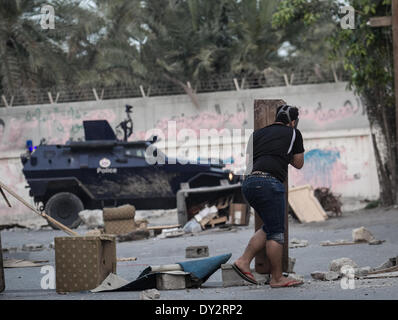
x=119 y=220
x=304 y=204
x=188 y=199
x=82 y=263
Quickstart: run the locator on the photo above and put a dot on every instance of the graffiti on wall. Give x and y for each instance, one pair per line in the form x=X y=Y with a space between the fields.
x=322 y=115
x=11 y=175
x=323 y=168
x=56 y=125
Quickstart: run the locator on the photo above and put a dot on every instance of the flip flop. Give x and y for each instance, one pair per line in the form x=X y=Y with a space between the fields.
x=293 y=283
x=248 y=276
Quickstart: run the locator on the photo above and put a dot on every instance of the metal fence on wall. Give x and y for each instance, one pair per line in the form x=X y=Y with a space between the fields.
x=24 y=96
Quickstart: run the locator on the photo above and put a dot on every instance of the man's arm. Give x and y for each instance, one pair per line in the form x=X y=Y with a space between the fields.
x=297 y=160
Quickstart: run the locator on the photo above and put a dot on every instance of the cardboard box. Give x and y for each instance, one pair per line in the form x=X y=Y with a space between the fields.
x=2 y=282
x=239 y=214
x=82 y=263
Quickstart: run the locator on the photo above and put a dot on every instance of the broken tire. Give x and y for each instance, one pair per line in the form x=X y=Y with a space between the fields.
x=65 y=207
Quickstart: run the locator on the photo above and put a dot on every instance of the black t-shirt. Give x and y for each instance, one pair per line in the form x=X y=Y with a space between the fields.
x=273 y=149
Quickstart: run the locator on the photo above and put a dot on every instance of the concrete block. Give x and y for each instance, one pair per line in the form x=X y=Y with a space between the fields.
x=197 y=252
x=173 y=280
x=231 y=279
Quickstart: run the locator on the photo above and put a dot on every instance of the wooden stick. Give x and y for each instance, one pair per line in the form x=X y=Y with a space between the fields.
x=43 y=214
x=329 y=244
x=164 y=227
x=5 y=198
x=395 y=268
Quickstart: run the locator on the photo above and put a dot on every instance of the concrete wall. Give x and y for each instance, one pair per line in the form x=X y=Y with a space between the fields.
x=339 y=153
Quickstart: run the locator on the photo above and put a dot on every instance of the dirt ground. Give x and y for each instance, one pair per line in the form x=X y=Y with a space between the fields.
x=24 y=283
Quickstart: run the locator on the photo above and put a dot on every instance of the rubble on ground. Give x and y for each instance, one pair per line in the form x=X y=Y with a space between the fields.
x=359 y=235
x=336 y=264
x=296 y=243
x=33 y=247
x=150 y=294
x=342 y=266
x=92 y=218
x=171 y=233
x=133 y=235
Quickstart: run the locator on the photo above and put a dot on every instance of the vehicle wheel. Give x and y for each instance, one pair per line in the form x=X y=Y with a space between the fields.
x=65 y=207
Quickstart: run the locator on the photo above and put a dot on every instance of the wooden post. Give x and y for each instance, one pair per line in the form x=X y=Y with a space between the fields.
x=394 y=20
x=264 y=115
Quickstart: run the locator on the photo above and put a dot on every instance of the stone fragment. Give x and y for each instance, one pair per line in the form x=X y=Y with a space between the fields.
x=318 y=275
x=150 y=294
x=296 y=243
x=196 y=251
x=362 y=235
x=332 y=275
x=92 y=218
x=32 y=247
x=376 y=242
x=361 y=272
x=336 y=264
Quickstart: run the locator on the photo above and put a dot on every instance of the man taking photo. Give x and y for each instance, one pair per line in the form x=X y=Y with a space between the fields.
x=270 y=150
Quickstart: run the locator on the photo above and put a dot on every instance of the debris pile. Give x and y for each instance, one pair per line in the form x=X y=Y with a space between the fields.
x=359 y=235
x=207 y=217
x=305 y=205
x=329 y=202
x=296 y=243
x=347 y=267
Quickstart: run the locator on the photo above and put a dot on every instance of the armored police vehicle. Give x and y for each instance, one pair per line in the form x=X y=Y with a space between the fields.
x=103 y=171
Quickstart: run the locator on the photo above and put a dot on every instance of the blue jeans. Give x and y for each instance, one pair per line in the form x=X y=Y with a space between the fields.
x=266 y=195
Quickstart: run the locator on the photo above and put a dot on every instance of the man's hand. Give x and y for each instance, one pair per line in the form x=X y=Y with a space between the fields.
x=297 y=160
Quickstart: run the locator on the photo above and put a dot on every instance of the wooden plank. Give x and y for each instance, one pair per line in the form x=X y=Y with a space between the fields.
x=305 y=205
x=164 y=227
x=342 y=243
x=381 y=275
x=43 y=214
x=395 y=268
x=264 y=115
x=380 y=21
x=213 y=222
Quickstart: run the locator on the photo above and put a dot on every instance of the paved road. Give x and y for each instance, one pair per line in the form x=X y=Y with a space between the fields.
x=24 y=283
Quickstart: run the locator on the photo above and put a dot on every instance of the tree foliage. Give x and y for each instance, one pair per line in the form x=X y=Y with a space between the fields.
x=366 y=53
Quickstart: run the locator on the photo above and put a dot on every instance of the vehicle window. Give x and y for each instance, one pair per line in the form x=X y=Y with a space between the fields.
x=135 y=152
